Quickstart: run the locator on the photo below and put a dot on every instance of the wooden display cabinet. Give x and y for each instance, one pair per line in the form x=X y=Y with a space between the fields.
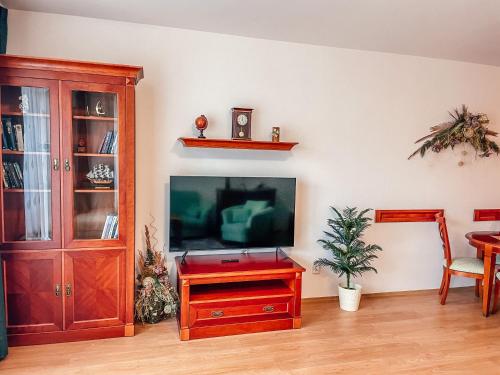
x=67 y=236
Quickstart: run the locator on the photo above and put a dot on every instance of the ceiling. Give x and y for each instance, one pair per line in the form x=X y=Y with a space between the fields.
x=464 y=30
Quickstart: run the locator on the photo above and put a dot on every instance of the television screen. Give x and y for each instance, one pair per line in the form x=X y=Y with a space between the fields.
x=208 y=213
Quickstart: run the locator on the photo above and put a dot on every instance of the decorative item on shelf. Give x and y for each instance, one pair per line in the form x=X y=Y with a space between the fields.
x=101 y=176
x=201 y=124
x=156 y=298
x=87 y=111
x=24 y=103
x=241 y=123
x=276 y=134
x=464 y=128
x=99 y=109
x=350 y=255
x=82 y=145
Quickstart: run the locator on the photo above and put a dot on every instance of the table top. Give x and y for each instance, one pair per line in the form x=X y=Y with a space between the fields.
x=252 y=263
x=482 y=238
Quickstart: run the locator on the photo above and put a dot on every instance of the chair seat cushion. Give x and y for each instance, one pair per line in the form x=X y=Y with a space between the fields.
x=470 y=265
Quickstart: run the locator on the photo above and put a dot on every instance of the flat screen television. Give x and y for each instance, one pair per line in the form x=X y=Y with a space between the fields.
x=209 y=213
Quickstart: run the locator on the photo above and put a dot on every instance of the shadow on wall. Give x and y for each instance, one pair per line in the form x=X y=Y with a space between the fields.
x=166 y=222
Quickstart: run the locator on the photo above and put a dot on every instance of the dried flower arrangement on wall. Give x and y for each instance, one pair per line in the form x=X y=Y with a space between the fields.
x=464 y=128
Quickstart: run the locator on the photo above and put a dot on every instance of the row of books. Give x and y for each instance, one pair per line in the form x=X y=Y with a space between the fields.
x=12 y=136
x=110 y=229
x=109 y=143
x=12 y=175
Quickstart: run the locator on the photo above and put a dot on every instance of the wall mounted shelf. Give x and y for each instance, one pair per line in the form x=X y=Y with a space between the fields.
x=406 y=216
x=237 y=144
x=490 y=214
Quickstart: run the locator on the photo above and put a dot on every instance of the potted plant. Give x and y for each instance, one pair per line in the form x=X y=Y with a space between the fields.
x=350 y=255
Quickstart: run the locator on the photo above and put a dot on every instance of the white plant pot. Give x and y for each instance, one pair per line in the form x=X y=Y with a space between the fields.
x=349 y=298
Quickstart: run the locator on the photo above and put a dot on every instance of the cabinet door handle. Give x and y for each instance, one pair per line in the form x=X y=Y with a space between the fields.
x=58 y=290
x=217 y=314
x=67 y=167
x=68 y=290
x=269 y=308
x=56 y=164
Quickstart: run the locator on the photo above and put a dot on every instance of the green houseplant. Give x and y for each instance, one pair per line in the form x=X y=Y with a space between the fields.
x=351 y=256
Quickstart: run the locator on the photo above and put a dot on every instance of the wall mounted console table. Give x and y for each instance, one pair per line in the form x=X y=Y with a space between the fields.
x=231 y=294
x=237 y=144
x=406 y=216
x=488 y=214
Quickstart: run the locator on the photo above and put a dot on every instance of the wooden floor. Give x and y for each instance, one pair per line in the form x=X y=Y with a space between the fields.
x=410 y=334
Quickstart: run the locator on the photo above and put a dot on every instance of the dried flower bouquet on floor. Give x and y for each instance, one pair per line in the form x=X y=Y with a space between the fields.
x=156 y=298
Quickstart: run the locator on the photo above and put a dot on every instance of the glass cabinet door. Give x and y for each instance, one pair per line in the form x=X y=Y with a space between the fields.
x=94 y=118
x=30 y=164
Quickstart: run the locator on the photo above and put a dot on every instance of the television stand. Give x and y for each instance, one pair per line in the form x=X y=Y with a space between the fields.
x=258 y=292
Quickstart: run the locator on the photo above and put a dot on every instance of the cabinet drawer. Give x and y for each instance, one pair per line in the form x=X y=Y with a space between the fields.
x=223 y=310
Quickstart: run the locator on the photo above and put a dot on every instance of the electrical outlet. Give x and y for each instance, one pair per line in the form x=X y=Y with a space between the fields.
x=315 y=269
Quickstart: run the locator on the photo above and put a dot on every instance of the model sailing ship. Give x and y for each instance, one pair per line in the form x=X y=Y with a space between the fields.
x=101 y=176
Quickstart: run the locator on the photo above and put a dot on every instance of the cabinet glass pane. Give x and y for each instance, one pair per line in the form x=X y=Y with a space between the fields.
x=95 y=165
x=26 y=167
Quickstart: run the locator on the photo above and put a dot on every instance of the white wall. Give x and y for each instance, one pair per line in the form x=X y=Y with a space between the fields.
x=356 y=115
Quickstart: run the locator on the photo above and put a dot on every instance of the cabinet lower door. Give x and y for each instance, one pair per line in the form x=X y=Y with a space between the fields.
x=94 y=288
x=33 y=292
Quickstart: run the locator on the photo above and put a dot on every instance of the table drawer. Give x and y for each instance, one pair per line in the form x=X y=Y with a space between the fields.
x=223 y=310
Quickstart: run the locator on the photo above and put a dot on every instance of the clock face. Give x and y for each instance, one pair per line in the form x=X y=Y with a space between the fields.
x=242 y=120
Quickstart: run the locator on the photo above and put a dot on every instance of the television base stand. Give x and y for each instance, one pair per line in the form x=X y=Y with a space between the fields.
x=257 y=292
x=183 y=257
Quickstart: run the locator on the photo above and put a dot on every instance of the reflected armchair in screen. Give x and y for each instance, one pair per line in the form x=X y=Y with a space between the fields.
x=248 y=223
x=191 y=213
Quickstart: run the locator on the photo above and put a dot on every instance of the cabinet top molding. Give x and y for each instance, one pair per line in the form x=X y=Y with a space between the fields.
x=134 y=73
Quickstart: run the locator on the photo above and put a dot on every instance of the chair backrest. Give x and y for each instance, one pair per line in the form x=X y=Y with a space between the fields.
x=443 y=233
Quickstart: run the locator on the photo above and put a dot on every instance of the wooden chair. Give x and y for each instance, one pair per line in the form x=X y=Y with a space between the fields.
x=465 y=267
x=496 y=293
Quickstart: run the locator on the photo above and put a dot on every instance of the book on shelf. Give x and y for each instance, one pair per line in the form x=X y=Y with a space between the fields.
x=12 y=136
x=12 y=175
x=115 y=144
x=8 y=130
x=110 y=229
x=5 y=142
x=4 y=176
x=19 y=132
x=108 y=144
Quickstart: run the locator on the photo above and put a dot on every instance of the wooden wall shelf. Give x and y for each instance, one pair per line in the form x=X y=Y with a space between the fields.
x=237 y=144
x=490 y=214
x=405 y=216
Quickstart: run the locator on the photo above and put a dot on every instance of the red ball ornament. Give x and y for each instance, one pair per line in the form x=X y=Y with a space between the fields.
x=201 y=124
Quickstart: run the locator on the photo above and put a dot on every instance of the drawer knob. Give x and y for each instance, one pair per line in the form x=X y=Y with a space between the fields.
x=217 y=314
x=269 y=308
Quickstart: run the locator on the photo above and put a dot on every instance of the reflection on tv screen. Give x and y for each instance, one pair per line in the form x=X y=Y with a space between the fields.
x=231 y=212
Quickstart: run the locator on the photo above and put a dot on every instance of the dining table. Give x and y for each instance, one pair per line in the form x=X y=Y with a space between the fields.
x=488 y=246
